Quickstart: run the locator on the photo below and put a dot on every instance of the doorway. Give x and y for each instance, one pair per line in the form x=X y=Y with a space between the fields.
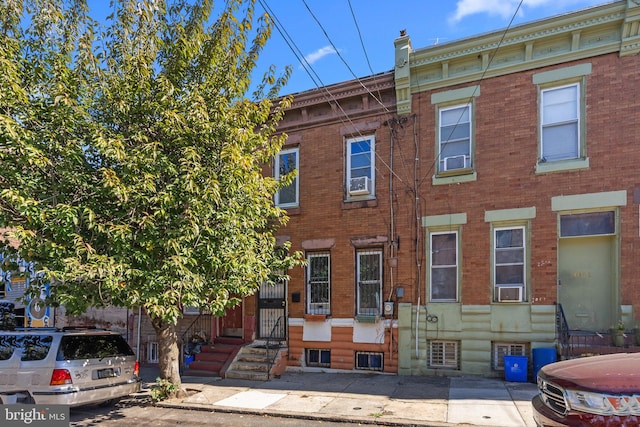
x=586 y=284
x=272 y=311
x=232 y=321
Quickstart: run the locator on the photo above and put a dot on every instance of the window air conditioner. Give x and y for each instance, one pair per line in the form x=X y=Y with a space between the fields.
x=455 y=162
x=510 y=294
x=360 y=186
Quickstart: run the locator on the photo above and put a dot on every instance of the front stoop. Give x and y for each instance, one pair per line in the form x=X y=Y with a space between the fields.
x=214 y=359
x=252 y=363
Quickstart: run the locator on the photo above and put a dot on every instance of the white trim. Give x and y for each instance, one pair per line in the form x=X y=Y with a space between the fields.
x=296 y=180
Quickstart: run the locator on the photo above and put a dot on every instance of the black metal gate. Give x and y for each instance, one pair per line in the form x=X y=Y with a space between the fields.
x=272 y=305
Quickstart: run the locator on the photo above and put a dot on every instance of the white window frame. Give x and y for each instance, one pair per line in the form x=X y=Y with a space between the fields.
x=318 y=307
x=295 y=183
x=546 y=122
x=523 y=285
x=368 y=311
x=443 y=354
x=153 y=352
x=434 y=267
x=442 y=154
x=501 y=349
x=353 y=170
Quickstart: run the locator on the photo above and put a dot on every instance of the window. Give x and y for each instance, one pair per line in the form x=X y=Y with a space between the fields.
x=444 y=266
x=369 y=277
x=153 y=353
x=369 y=361
x=509 y=264
x=443 y=354
x=361 y=166
x=588 y=224
x=455 y=138
x=318 y=284
x=287 y=162
x=318 y=357
x=560 y=123
x=500 y=350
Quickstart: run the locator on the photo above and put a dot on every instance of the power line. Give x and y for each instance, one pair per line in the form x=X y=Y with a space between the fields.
x=484 y=73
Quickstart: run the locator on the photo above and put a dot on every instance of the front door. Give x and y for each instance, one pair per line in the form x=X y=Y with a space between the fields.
x=232 y=321
x=586 y=285
x=272 y=310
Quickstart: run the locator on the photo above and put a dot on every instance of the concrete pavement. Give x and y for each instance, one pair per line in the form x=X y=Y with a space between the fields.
x=365 y=398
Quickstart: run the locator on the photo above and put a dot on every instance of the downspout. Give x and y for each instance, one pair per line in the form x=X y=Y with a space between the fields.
x=392 y=254
x=418 y=227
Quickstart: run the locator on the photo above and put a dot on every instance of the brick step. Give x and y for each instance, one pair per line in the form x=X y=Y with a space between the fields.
x=212 y=357
x=228 y=340
x=218 y=348
x=201 y=373
x=197 y=365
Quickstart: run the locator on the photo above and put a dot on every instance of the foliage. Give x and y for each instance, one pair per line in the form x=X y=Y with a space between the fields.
x=133 y=159
x=163 y=390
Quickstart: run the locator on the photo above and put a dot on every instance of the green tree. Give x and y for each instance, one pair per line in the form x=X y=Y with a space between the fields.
x=132 y=155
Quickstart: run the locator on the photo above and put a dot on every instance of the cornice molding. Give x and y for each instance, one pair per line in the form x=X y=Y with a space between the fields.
x=605 y=29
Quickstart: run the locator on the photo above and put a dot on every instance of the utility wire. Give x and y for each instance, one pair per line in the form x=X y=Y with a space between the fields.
x=342 y=58
x=484 y=72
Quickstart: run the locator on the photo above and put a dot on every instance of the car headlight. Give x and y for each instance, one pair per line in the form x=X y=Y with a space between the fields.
x=603 y=404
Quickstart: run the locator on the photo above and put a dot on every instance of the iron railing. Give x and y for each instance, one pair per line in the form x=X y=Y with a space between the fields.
x=271 y=358
x=201 y=325
x=564 y=334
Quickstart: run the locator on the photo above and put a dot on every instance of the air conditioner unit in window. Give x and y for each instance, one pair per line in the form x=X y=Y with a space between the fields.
x=360 y=186
x=510 y=294
x=455 y=162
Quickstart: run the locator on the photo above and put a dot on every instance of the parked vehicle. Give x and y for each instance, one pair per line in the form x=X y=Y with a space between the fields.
x=590 y=391
x=69 y=366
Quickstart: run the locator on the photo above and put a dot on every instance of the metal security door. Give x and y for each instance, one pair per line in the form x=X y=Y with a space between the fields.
x=272 y=310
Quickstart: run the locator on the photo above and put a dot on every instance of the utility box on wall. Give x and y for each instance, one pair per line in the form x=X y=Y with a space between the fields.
x=388 y=308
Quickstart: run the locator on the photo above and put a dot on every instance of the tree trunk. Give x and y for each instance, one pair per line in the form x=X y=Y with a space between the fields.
x=168 y=352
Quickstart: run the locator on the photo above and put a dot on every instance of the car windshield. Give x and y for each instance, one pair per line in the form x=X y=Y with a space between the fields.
x=74 y=347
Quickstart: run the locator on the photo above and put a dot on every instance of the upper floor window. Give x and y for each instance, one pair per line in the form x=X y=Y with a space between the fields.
x=287 y=162
x=560 y=123
x=318 y=284
x=562 y=144
x=454 y=152
x=369 y=282
x=509 y=264
x=444 y=266
x=361 y=166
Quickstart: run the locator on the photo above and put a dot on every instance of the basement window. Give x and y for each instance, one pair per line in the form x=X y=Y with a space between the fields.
x=369 y=361
x=318 y=357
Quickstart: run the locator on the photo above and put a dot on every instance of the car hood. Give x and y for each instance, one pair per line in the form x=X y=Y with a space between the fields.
x=615 y=373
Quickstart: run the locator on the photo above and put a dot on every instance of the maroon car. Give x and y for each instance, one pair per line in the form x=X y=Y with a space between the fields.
x=590 y=391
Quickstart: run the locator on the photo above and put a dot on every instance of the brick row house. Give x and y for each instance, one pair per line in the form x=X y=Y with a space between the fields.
x=448 y=209
x=482 y=198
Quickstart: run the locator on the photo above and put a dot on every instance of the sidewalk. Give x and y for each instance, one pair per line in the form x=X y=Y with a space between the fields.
x=365 y=398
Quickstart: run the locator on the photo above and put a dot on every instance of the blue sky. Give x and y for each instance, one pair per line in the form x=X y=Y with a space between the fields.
x=344 y=39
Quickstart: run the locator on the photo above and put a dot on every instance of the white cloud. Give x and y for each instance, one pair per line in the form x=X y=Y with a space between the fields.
x=504 y=8
x=319 y=54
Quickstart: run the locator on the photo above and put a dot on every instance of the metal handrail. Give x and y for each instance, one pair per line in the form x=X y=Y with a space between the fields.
x=199 y=323
x=271 y=359
x=562 y=329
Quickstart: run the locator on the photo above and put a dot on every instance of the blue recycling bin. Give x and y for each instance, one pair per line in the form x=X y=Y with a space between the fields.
x=515 y=368
x=542 y=357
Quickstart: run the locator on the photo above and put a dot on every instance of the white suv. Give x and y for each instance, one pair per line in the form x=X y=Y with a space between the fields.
x=69 y=366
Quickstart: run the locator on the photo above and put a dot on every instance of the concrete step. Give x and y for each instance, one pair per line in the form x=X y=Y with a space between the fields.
x=249 y=366
x=247 y=375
